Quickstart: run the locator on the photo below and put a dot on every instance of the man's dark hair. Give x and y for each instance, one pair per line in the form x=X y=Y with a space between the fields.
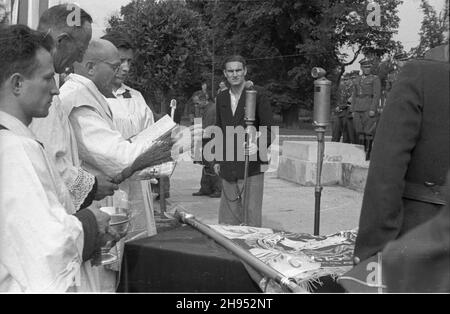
x=18 y=47
x=119 y=40
x=234 y=58
x=57 y=17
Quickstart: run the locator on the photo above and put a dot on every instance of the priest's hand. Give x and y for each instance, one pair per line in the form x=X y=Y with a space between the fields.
x=106 y=235
x=252 y=149
x=105 y=187
x=102 y=219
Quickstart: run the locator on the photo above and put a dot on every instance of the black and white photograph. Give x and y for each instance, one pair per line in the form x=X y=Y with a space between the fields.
x=224 y=153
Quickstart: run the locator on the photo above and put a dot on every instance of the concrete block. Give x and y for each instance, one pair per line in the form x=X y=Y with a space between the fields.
x=304 y=172
x=334 y=152
x=344 y=164
x=354 y=176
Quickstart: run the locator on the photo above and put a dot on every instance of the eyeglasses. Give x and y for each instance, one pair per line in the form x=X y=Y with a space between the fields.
x=114 y=67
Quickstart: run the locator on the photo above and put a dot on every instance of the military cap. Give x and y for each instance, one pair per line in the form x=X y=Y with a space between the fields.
x=366 y=63
x=401 y=56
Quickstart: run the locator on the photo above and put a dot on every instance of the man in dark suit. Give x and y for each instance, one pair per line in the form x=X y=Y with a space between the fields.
x=410 y=158
x=230 y=113
x=419 y=262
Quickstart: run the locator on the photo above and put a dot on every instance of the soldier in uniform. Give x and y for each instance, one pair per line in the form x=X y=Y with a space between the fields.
x=342 y=117
x=200 y=101
x=365 y=101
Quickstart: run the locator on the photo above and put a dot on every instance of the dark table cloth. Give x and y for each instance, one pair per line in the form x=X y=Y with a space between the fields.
x=182 y=259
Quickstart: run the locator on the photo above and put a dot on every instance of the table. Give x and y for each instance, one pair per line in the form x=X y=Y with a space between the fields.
x=182 y=259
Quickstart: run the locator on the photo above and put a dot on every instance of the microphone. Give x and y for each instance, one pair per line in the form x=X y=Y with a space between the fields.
x=322 y=93
x=250 y=106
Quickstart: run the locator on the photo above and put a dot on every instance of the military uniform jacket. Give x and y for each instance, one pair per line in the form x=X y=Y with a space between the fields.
x=234 y=170
x=410 y=157
x=419 y=262
x=344 y=93
x=366 y=93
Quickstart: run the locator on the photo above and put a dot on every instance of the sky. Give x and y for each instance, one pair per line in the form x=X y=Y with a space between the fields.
x=409 y=13
x=410 y=21
x=411 y=17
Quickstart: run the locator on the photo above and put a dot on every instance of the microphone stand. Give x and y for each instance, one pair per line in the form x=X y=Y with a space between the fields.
x=322 y=99
x=250 y=109
x=318 y=188
x=248 y=124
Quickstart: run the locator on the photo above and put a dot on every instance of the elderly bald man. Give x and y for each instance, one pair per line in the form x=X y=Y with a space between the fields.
x=103 y=150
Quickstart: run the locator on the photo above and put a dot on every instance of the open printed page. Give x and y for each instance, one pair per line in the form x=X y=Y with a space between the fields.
x=156 y=130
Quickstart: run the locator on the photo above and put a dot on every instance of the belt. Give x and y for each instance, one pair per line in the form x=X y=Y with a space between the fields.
x=427 y=192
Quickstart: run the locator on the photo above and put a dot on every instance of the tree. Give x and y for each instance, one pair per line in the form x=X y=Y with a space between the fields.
x=434 y=28
x=284 y=39
x=171 y=48
x=3 y=14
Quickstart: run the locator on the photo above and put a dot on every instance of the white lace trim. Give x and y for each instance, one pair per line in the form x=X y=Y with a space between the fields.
x=81 y=187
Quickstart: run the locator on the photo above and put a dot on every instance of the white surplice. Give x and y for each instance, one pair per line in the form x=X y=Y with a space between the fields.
x=56 y=133
x=41 y=242
x=102 y=148
x=131 y=115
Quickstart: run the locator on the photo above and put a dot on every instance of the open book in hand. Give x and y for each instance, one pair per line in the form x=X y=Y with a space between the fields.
x=155 y=131
x=160 y=134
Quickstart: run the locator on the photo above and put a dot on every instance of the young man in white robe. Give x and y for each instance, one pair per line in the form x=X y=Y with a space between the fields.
x=131 y=115
x=45 y=245
x=55 y=131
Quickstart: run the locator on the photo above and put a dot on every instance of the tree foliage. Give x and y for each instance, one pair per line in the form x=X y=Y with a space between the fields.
x=182 y=42
x=434 y=29
x=284 y=39
x=170 y=41
x=3 y=14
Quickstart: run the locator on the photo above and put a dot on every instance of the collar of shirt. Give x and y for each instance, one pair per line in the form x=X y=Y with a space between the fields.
x=16 y=126
x=91 y=86
x=120 y=91
x=83 y=80
x=123 y=91
x=234 y=101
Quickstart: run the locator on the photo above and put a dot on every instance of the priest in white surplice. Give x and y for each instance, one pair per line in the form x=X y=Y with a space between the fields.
x=102 y=148
x=55 y=131
x=45 y=245
x=131 y=115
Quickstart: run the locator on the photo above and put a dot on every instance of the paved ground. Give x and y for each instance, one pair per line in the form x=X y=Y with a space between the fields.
x=287 y=206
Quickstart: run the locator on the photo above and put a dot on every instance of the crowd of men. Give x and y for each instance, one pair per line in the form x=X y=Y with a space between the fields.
x=60 y=149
